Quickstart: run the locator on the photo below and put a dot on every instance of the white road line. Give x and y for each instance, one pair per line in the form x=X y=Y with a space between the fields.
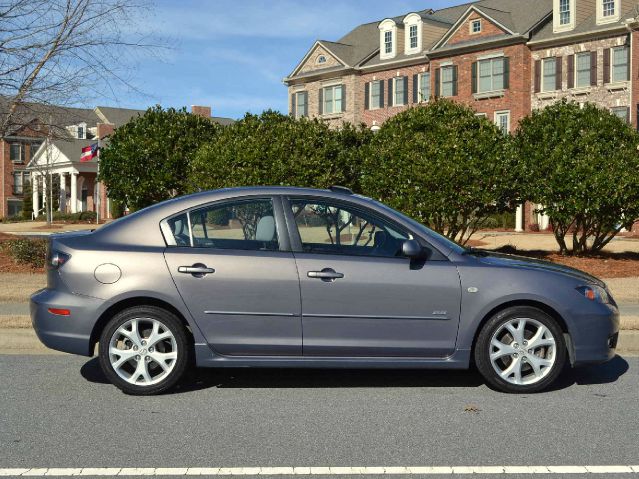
x=323 y=471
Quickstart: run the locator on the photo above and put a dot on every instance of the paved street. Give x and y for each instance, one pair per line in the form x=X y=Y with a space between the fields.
x=57 y=411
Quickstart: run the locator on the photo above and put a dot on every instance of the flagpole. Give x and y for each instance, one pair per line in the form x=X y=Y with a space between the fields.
x=97 y=186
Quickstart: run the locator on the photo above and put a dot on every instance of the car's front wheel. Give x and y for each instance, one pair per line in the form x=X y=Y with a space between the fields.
x=144 y=350
x=520 y=350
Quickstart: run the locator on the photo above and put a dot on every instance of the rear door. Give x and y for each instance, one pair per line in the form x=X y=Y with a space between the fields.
x=237 y=278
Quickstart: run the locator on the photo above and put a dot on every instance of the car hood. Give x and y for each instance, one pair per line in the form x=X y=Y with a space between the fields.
x=514 y=261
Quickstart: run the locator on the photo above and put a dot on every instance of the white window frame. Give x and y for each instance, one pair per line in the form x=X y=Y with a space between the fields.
x=543 y=75
x=612 y=64
x=388 y=26
x=492 y=62
x=603 y=19
x=481 y=115
x=412 y=20
x=397 y=80
x=321 y=59
x=476 y=21
x=577 y=57
x=558 y=26
x=420 y=84
x=498 y=116
x=21 y=153
x=447 y=68
x=333 y=102
x=371 y=105
x=298 y=95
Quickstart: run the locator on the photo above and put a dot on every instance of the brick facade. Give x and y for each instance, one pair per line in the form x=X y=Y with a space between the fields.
x=465 y=34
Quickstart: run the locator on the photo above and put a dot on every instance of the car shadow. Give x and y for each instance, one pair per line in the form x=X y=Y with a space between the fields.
x=203 y=378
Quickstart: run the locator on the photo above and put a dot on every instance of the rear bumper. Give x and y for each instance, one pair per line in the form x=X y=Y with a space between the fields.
x=595 y=335
x=70 y=334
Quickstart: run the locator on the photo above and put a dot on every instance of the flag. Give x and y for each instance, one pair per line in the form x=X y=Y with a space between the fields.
x=89 y=152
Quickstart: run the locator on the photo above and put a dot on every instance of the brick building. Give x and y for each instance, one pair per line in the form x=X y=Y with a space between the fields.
x=503 y=58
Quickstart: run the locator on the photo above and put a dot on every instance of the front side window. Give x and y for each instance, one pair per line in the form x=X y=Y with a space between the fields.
x=376 y=94
x=242 y=225
x=399 y=91
x=549 y=82
x=335 y=229
x=491 y=75
x=413 y=36
x=333 y=99
x=622 y=112
x=448 y=81
x=608 y=8
x=620 y=64
x=388 y=42
x=424 y=86
x=582 y=72
x=301 y=104
x=564 y=12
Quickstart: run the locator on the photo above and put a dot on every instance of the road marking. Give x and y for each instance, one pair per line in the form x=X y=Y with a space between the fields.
x=323 y=471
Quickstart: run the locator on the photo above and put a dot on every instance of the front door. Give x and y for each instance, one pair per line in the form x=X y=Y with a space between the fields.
x=240 y=288
x=360 y=298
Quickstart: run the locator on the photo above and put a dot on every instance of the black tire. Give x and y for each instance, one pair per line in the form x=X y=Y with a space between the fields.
x=182 y=341
x=483 y=349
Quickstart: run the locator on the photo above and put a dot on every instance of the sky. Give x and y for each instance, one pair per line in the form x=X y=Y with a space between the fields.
x=233 y=54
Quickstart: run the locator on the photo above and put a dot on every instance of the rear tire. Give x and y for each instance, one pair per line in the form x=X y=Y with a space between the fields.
x=520 y=350
x=144 y=350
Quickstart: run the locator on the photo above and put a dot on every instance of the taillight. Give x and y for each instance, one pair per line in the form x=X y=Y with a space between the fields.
x=57 y=259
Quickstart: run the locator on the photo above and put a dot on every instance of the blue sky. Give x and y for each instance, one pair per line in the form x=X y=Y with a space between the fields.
x=233 y=54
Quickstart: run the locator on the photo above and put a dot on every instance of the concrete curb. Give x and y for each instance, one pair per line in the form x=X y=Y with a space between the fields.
x=25 y=341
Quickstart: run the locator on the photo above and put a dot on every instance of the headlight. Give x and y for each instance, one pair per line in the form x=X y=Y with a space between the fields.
x=594 y=293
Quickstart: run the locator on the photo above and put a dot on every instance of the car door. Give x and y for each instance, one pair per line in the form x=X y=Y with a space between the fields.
x=237 y=278
x=360 y=297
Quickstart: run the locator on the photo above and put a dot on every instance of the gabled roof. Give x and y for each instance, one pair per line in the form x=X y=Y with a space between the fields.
x=117 y=116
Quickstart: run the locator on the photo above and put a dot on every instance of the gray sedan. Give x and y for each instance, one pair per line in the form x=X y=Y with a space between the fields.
x=291 y=277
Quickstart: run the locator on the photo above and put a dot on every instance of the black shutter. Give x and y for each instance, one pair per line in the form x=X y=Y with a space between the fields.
x=606 y=66
x=405 y=79
x=381 y=94
x=506 y=73
x=559 y=73
x=571 y=71
x=593 y=68
x=305 y=103
x=321 y=101
x=343 y=98
x=293 y=98
x=455 y=77
x=367 y=96
x=473 y=75
x=438 y=82
x=537 y=76
x=415 y=88
x=390 y=92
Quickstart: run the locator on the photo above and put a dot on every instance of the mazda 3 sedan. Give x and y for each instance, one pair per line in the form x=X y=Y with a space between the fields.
x=292 y=277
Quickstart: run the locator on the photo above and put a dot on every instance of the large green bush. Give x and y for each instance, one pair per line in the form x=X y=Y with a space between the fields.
x=444 y=166
x=582 y=164
x=27 y=251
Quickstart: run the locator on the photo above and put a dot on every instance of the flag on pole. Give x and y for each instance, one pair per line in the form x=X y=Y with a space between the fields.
x=89 y=152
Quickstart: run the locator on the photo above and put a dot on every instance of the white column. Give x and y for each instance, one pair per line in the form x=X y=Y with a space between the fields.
x=519 y=219
x=63 y=192
x=45 y=198
x=544 y=220
x=74 y=192
x=36 y=196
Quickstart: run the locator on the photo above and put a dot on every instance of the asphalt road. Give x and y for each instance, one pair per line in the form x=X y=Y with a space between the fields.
x=58 y=411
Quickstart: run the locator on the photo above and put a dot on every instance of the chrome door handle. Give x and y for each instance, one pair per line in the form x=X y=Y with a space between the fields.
x=198 y=270
x=327 y=275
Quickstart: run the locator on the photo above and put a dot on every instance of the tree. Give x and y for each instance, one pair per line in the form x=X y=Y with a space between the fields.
x=581 y=164
x=444 y=166
x=276 y=149
x=63 y=51
x=147 y=160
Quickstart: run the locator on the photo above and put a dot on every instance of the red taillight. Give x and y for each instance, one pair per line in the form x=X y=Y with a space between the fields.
x=60 y=312
x=57 y=259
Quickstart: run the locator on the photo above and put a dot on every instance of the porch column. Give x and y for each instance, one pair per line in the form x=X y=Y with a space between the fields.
x=63 y=193
x=45 y=198
x=519 y=219
x=36 y=196
x=74 y=192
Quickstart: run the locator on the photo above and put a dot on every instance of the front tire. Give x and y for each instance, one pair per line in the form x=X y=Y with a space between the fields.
x=520 y=350
x=144 y=350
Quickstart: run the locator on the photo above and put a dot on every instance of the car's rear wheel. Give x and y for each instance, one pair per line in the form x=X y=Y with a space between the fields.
x=144 y=350
x=520 y=350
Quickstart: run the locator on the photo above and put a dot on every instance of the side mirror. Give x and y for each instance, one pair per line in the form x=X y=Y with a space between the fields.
x=412 y=249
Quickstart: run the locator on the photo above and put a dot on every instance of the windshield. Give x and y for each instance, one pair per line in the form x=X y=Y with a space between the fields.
x=425 y=230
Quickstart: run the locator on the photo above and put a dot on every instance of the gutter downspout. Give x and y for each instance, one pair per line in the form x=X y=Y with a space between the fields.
x=631 y=24
x=4 y=200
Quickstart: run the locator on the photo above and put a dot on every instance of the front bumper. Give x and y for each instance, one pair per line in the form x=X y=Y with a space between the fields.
x=595 y=335
x=70 y=334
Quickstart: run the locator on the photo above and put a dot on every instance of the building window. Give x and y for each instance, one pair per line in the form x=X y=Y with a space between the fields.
x=448 y=81
x=424 y=87
x=475 y=26
x=332 y=99
x=549 y=77
x=301 y=104
x=20 y=178
x=413 y=37
x=81 y=132
x=16 y=152
x=376 y=94
x=399 y=91
x=582 y=72
x=622 y=112
x=15 y=207
x=388 y=42
x=564 y=12
x=502 y=120
x=321 y=59
x=608 y=8
x=481 y=115
x=491 y=75
x=620 y=64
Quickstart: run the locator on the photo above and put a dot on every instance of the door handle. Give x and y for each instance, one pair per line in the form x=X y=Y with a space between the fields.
x=327 y=275
x=198 y=270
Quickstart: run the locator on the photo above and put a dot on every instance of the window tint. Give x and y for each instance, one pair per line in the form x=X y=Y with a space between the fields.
x=244 y=225
x=333 y=229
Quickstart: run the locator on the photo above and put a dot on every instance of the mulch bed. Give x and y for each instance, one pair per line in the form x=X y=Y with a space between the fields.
x=9 y=265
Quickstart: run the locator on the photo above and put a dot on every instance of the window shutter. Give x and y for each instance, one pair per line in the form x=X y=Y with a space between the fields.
x=537 y=76
x=381 y=94
x=571 y=72
x=473 y=75
x=293 y=98
x=305 y=103
x=321 y=101
x=606 y=66
x=593 y=68
x=405 y=90
x=367 y=96
x=390 y=92
x=438 y=82
x=415 y=88
x=455 y=76
x=343 y=98
x=506 y=73
x=559 y=77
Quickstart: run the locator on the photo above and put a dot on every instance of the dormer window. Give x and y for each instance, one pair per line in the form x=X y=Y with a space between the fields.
x=564 y=15
x=81 y=131
x=608 y=11
x=413 y=29
x=388 y=39
x=608 y=8
x=412 y=36
x=564 y=12
x=388 y=43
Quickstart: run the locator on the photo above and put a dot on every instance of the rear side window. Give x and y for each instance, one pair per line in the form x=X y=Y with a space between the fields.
x=180 y=230
x=242 y=225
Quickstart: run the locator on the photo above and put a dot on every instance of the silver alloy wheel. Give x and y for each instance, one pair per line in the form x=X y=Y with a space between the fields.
x=143 y=351
x=522 y=351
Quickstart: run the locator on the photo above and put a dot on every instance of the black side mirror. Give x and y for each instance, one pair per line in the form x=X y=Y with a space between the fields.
x=412 y=249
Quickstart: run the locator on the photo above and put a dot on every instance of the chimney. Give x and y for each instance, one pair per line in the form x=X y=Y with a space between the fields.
x=203 y=111
x=105 y=129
